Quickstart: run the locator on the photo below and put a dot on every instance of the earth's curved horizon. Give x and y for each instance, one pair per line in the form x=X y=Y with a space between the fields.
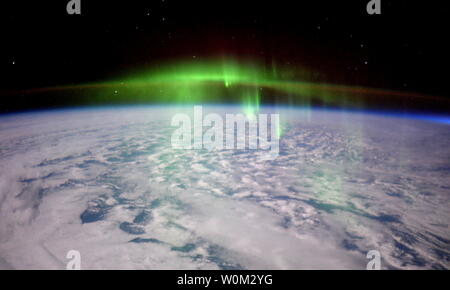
x=107 y=183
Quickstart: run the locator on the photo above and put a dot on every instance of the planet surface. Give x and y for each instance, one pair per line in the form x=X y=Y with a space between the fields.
x=107 y=183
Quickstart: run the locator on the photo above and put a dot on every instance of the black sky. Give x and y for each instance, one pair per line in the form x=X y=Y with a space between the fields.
x=404 y=48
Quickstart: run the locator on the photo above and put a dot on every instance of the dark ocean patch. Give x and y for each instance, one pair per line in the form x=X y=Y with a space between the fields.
x=47 y=162
x=70 y=183
x=285 y=222
x=292 y=189
x=395 y=194
x=285 y=197
x=359 y=196
x=113 y=159
x=330 y=208
x=349 y=245
x=146 y=240
x=437 y=266
x=351 y=208
x=143 y=217
x=155 y=203
x=442 y=255
x=96 y=211
x=185 y=249
x=408 y=255
x=386 y=218
x=440 y=225
x=404 y=236
x=426 y=193
x=131 y=228
x=29 y=180
x=87 y=163
x=439 y=238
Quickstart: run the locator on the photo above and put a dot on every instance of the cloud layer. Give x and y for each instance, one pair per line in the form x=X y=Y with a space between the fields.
x=107 y=183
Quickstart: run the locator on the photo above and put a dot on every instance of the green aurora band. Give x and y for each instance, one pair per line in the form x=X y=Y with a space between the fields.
x=227 y=80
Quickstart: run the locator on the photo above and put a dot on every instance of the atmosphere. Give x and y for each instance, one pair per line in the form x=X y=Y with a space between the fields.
x=325 y=53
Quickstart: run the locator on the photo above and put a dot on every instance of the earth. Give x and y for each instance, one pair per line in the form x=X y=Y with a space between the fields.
x=106 y=182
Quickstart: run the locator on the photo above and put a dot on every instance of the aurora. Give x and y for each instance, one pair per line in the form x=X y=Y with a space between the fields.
x=228 y=80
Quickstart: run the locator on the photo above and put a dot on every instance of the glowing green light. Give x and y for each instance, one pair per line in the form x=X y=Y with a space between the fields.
x=250 y=103
x=224 y=80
